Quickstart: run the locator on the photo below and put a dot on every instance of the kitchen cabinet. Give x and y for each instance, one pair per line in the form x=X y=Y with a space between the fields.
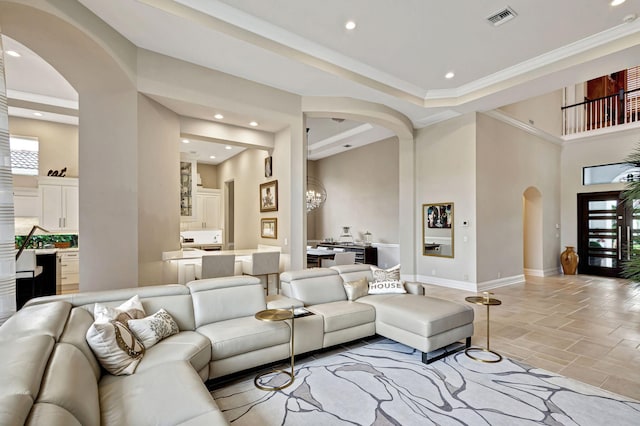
x=60 y=204
x=69 y=272
x=26 y=202
x=208 y=211
x=187 y=189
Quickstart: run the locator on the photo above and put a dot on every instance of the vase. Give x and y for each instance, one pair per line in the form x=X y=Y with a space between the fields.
x=569 y=261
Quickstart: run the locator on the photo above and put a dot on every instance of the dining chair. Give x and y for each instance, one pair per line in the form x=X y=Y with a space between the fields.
x=218 y=265
x=343 y=258
x=263 y=264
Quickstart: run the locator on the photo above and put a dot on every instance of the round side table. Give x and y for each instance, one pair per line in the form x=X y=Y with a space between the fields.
x=277 y=315
x=487 y=301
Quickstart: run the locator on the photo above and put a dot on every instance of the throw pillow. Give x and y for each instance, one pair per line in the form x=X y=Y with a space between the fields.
x=131 y=309
x=116 y=348
x=391 y=274
x=386 y=287
x=152 y=329
x=356 y=289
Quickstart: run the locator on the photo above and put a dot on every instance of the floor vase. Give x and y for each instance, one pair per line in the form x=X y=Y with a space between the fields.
x=569 y=261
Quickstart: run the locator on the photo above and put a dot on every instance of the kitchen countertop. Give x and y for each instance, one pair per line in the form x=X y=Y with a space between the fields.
x=197 y=254
x=54 y=250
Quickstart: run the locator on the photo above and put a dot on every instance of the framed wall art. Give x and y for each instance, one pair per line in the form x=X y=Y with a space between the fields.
x=269 y=227
x=437 y=229
x=269 y=196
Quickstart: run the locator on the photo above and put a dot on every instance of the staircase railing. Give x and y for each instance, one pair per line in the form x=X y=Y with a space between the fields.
x=607 y=111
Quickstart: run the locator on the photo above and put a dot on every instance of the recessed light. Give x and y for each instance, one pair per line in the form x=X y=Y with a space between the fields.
x=212 y=157
x=253 y=124
x=228 y=147
x=617 y=2
x=350 y=25
x=38 y=114
x=13 y=53
x=185 y=140
x=450 y=74
x=218 y=116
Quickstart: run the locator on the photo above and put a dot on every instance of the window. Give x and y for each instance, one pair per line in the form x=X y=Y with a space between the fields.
x=633 y=83
x=610 y=173
x=24 y=155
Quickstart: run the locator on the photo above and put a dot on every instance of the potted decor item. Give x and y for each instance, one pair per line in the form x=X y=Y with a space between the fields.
x=569 y=261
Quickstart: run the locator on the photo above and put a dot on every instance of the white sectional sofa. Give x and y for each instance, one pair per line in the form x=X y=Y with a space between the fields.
x=50 y=376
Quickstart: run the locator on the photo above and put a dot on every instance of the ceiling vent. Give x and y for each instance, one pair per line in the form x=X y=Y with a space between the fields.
x=502 y=16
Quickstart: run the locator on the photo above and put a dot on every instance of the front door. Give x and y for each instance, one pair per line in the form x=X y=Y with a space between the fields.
x=607 y=230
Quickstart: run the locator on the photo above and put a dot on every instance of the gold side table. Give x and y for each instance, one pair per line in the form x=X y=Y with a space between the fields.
x=487 y=301
x=277 y=315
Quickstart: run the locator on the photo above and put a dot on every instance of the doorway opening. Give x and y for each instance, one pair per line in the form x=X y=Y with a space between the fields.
x=533 y=260
x=229 y=212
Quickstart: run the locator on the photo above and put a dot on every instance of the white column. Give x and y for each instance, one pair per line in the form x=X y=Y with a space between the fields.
x=7 y=237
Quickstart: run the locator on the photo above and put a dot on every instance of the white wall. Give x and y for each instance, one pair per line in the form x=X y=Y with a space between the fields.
x=593 y=151
x=509 y=161
x=362 y=192
x=544 y=111
x=446 y=172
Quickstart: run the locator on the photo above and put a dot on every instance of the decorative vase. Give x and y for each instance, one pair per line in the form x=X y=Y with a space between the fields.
x=569 y=261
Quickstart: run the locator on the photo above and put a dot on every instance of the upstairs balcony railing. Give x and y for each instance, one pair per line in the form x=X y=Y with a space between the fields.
x=608 y=111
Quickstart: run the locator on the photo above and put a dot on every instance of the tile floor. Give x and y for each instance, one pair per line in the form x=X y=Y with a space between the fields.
x=580 y=326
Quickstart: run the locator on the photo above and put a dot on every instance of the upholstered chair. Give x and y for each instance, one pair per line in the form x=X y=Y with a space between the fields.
x=344 y=258
x=218 y=265
x=264 y=264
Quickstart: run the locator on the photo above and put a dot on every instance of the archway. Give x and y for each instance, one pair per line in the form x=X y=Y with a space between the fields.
x=366 y=112
x=533 y=260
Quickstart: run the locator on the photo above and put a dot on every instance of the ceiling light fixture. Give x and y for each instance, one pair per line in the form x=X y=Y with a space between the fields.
x=38 y=114
x=185 y=140
x=213 y=157
x=350 y=25
x=227 y=147
x=13 y=53
x=253 y=124
x=449 y=75
x=617 y=2
x=218 y=116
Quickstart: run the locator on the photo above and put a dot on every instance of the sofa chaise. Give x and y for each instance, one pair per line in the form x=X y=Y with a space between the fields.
x=50 y=375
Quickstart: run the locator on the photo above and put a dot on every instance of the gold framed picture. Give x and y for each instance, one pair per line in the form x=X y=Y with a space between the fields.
x=269 y=196
x=269 y=227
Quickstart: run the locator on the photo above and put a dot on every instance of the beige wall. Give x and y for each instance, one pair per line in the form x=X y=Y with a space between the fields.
x=209 y=175
x=446 y=172
x=544 y=111
x=598 y=150
x=312 y=170
x=58 y=143
x=362 y=192
x=510 y=161
x=158 y=191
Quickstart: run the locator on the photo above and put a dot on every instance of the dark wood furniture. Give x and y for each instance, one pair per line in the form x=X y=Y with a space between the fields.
x=364 y=254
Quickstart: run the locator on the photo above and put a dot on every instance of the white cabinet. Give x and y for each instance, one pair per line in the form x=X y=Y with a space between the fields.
x=69 y=275
x=208 y=211
x=26 y=202
x=187 y=189
x=60 y=204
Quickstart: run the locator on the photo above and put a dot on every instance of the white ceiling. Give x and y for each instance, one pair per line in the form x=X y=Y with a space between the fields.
x=397 y=55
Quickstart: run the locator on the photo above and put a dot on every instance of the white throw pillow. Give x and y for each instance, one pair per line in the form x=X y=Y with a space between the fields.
x=391 y=274
x=356 y=289
x=116 y=348
x=152 y=329
x=131 y=309
x=386 y=287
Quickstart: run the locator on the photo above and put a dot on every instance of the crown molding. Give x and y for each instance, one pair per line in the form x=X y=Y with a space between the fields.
x=507 y=119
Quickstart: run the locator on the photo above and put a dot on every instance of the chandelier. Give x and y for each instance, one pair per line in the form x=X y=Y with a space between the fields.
x=316 y=194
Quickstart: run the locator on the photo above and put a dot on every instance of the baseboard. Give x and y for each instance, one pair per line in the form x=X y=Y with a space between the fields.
x=542 y=272
x=501 y=282
x=444 y=282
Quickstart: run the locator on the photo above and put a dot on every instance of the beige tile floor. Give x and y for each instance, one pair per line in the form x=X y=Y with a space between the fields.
x=580 y=326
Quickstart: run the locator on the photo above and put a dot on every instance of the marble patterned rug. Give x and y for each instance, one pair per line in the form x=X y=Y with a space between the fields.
x=385 y=383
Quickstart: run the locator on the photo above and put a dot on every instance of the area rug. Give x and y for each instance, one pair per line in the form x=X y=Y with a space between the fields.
x=385 y=383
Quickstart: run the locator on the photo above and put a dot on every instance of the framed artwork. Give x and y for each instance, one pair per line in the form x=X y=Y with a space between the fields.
x=269 y=196
x=437 y=229
x=269 y=227
x=268 y=163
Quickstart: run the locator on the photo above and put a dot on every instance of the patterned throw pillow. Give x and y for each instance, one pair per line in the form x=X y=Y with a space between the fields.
x=386 y=287
x=356 y=289
x=131 y=309
x=391 y=274
x=115 y=347
x=152 y=329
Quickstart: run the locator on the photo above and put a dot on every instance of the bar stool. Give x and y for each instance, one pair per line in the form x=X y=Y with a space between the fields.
x=263 y=264
x=26 y=269
x=218 y=265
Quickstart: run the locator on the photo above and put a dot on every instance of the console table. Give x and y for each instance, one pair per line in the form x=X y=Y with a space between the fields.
x=364 y=254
